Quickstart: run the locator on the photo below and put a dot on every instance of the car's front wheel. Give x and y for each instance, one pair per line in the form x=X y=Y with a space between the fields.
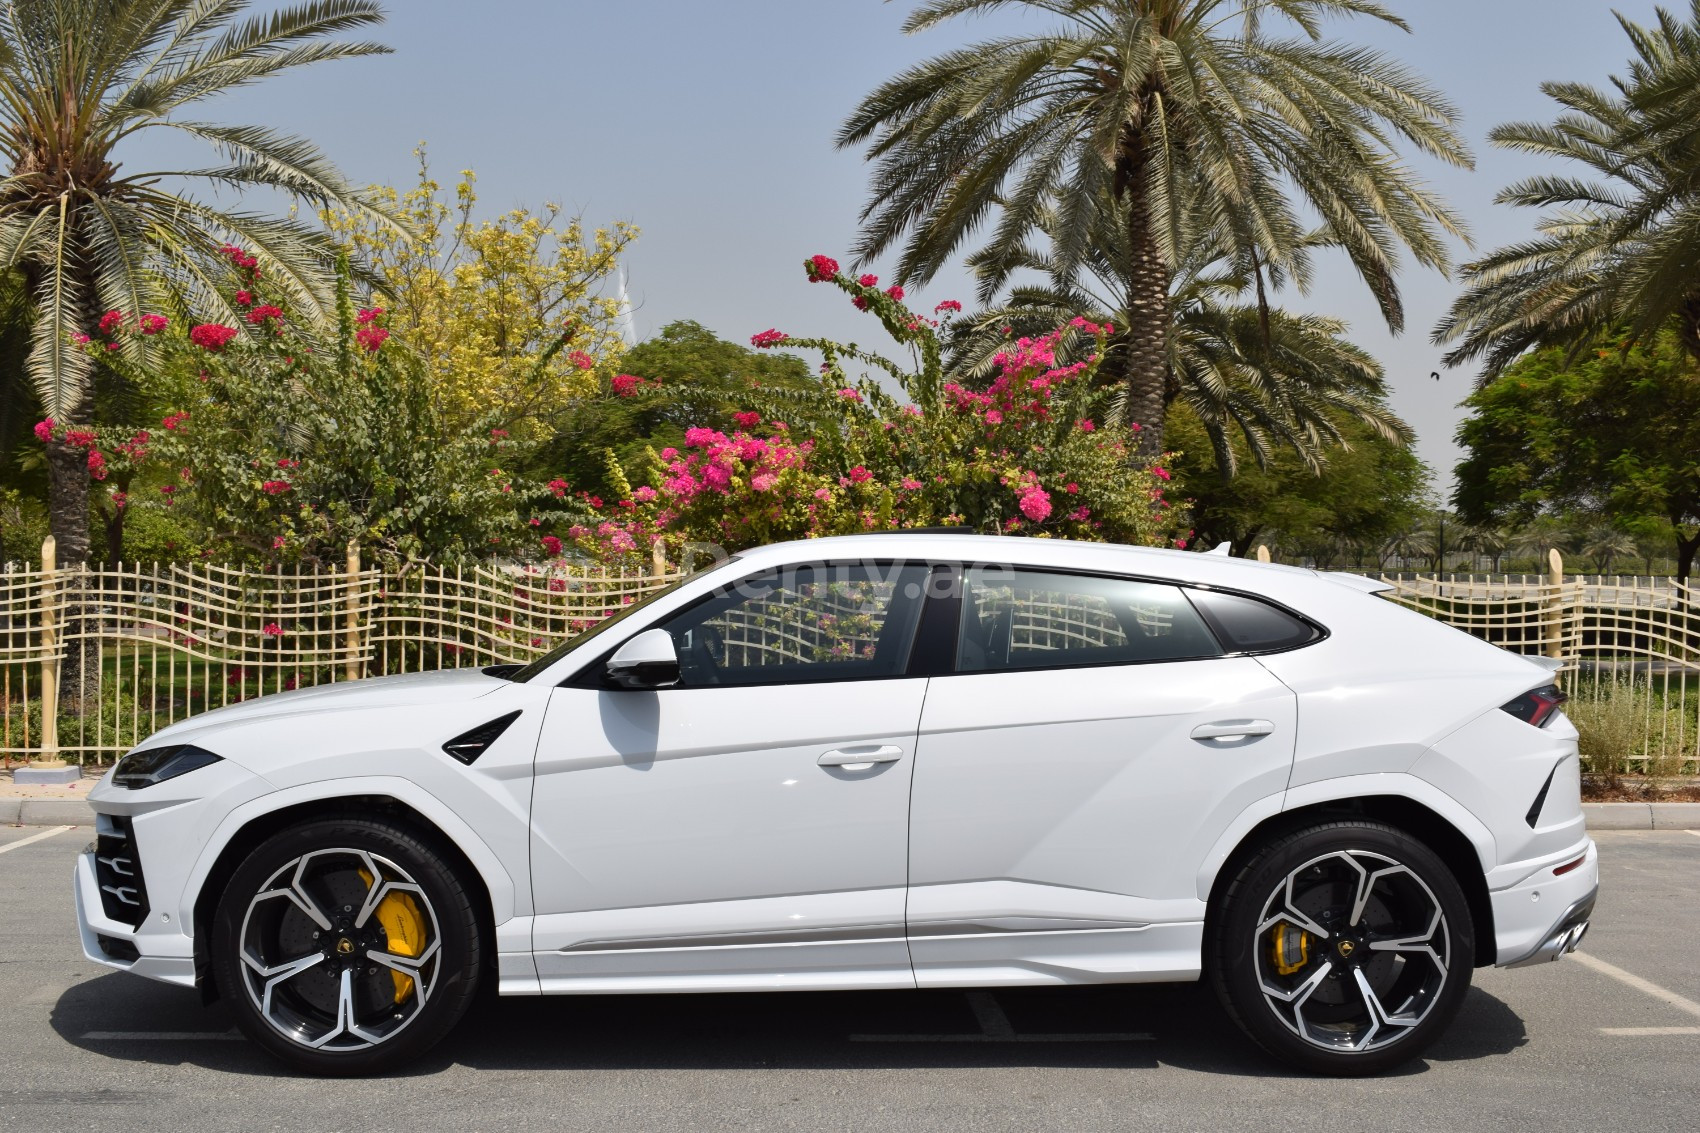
x=1343 y=948
x=347 y=945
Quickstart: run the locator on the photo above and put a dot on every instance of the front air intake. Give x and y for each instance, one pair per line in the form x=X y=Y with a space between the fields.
x=468 y=746
x=118 y=871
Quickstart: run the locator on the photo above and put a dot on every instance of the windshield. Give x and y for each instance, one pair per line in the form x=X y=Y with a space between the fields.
x=525 y=673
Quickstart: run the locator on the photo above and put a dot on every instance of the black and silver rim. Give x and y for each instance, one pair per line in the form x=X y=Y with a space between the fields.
x=340 y=950
x=1352 y=951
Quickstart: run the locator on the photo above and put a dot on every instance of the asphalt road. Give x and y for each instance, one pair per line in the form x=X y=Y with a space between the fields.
x=1531 y=1050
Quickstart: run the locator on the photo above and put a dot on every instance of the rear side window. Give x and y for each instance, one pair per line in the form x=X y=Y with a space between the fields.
x=1246 y=625
x=1024 y=619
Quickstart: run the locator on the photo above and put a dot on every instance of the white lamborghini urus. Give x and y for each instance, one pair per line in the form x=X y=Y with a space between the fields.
x=889 y=761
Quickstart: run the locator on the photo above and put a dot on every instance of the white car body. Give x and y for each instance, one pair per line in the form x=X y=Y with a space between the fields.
x=1057 y=826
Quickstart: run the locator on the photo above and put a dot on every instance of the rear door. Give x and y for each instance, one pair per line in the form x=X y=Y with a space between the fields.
x=1072 y=774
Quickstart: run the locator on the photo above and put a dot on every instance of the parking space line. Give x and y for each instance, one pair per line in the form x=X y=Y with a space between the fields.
x=1639 y=1031
x=1681 y=1003
x=45 y=834
x=161 y=1036
x=1696 y=833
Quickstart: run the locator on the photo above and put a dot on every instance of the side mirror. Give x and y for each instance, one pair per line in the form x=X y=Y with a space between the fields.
x=646 y=661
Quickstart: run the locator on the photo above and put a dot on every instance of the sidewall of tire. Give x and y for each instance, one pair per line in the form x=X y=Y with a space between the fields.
x=450 y=896
x=1233 y=971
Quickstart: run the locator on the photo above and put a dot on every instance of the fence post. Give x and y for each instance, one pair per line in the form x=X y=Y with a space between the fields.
x=1555 y=620
x=49 y=654
x=658 y=558
x=1262 y=553
x=351 y=618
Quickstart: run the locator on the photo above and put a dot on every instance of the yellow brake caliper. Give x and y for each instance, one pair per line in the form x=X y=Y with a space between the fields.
x=405 y=927
x=1289 y=948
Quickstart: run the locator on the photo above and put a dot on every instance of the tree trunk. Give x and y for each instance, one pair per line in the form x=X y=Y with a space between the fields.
x=68 y=500
x=1686 y=547
x=1142 y=361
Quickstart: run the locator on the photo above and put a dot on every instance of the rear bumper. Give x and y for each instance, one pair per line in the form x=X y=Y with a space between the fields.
x=1546 y=915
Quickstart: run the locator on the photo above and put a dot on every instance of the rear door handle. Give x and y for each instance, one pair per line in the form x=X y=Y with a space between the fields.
x=860 y=758
x=1232 y=729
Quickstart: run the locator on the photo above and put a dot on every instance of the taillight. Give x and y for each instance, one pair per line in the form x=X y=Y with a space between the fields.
x=1536 y=706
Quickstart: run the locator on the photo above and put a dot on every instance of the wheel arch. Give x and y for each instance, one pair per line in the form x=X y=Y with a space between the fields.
x=256 y=828
x=1460 y=854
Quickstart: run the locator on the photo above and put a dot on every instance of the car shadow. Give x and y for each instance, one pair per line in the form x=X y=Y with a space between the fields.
x=1119 y=1027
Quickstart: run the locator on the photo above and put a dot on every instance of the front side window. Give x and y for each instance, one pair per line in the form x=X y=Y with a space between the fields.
x=832 y=622
x=1029 y=619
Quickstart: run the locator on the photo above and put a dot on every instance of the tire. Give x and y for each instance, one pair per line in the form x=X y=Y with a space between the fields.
x=1324 y=992
x=347 y=945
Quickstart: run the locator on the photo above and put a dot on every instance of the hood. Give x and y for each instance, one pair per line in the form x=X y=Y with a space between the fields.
x=440 y=687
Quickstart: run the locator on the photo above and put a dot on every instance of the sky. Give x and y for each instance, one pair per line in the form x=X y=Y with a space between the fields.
x=710 y=124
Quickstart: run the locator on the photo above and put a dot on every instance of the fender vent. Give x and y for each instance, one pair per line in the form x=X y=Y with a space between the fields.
x=1533 y=818
x=468 y=746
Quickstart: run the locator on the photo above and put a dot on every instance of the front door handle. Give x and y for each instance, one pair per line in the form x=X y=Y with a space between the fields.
x=1232 y=730
x=860 y=758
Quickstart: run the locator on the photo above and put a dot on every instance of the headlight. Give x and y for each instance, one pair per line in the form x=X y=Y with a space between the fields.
x=157 y=764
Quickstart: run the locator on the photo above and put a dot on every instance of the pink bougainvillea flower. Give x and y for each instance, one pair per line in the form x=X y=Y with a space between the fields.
x=994 y=417
x=895 y=292
x=82 y=438
x=275 y=487
x=582 y=360
x=370 y=338
x=173 y=420
x=1035 y=503
x=869 y=281
x=44 y=430
x=278 y=542
x=551 y=546
x=558 y=488
x=245 y=298
x=367 y=314
x=823 y=493
x=950 y=305
x=849 y=394
x=763 y=481
x=120 y=500
x=1161 y=473
x=153 y=324
x=80 y=339
x=746 y=419
x=768 y=339
x=860 y=475
x=498 y=435
x=260 y=315
x=624 y=385
x=111 y=323
x=272 y=629
x=911 y=484
x=212 y=336
x=821 y=268
x=97 y=465
x=644 y=494
x=1071 y=488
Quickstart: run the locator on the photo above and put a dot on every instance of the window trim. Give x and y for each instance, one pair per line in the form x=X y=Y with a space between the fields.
x=1322 y=631
x=593 y=675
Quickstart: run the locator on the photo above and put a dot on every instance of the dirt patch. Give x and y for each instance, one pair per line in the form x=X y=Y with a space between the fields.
x=1630 y=789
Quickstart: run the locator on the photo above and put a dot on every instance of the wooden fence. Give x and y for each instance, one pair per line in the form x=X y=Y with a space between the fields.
x=94 y=659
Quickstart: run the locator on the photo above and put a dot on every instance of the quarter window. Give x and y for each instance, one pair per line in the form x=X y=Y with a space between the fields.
x=1246 y=625
x=1024 y=619
x=805 y=623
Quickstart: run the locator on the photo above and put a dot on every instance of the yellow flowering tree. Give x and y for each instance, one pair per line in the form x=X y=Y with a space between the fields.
x=486 y=302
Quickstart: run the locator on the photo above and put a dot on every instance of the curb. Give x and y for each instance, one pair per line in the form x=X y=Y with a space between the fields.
x=1600 y=816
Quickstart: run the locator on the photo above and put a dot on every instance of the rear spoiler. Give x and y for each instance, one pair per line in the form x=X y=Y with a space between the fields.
x=1358 y=581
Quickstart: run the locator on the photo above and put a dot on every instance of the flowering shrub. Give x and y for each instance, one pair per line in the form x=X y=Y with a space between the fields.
x=283 y=444
x=1029 y=453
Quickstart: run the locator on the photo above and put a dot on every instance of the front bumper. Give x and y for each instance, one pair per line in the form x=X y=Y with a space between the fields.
x=166 y=956
x=1546 y=915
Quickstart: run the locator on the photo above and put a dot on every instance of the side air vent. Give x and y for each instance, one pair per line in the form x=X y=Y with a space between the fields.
x=468 y=746
x=118 y=871
x=1533 y=818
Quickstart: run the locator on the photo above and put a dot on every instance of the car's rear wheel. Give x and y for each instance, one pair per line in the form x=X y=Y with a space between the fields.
x=1344 y=948
x=347 y=945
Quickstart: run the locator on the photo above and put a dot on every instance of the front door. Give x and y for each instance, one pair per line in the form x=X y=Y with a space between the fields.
x=749 y=826
x=1071 y=776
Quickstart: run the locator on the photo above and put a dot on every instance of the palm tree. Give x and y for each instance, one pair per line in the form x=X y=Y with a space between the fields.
x=82 y=79
x=1190 y=116
x=1606 y=544
x=1483 y=540
x=1616 y=251
x=1271 y=376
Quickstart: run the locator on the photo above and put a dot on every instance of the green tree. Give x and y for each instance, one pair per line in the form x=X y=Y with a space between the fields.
x=1618 y=253
x=1367 y=489
x=1614 y=434
x=78 y=80
x=688 y=376
x=1190 y=115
